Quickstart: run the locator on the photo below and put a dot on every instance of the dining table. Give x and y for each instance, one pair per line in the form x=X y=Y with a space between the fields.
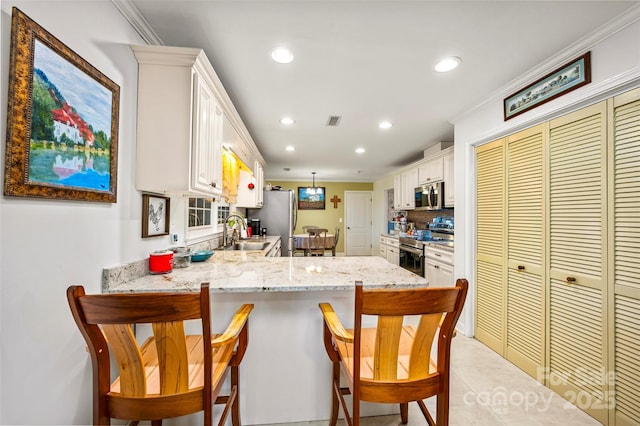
x=301 y=243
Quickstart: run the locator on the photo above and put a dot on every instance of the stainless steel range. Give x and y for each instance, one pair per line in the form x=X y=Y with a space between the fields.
x=412 y=258
x=412 y=255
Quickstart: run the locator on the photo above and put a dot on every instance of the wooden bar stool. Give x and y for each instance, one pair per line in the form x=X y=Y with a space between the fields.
x=171 y=374
x=392 y=362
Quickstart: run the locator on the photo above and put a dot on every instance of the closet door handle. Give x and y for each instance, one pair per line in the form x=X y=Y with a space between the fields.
x=571 y=280
x=520 y=267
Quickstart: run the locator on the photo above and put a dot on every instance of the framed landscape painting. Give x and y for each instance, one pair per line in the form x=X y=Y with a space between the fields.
x=62 y=120
x=311 y=198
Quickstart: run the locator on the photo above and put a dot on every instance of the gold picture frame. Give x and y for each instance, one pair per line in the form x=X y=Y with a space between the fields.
x=62 y=120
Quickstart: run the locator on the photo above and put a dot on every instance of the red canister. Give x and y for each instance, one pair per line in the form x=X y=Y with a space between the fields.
x=161 y=262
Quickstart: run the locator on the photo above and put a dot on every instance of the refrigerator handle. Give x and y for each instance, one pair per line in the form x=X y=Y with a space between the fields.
x=295 y=214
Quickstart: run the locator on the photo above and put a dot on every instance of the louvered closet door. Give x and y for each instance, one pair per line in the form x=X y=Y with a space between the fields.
x=490 y=281
x=577 y=258
x=525 y=342
x=626 y=256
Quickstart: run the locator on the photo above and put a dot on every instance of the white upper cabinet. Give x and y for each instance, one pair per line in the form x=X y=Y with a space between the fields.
x=250 y=187
x=449 y=183
x=431 y=171
x=179 y=123
x=404 y=185
x=206 y=157
x=184 y=114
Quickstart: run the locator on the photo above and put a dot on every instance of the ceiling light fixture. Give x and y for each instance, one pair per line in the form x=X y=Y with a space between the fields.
x=313 y=190
x=359 y=150
x=385 y=125
x=287 y=121
x=290 y=148
x=282 y=55
x=448 y=64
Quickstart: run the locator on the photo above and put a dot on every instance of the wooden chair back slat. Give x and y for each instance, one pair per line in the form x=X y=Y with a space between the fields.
x=419 y=360
x=125 y=348
x=385 y=356
x=172 y=357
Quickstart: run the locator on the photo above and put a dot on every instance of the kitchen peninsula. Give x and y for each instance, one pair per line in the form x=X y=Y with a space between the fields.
x=285 y=375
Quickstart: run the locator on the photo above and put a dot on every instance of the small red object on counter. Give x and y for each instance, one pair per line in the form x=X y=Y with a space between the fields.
x=161 y=262
x=251 y=186
x=249 y=232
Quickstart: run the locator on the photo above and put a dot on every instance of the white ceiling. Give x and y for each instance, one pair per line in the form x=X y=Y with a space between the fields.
x=367 y=61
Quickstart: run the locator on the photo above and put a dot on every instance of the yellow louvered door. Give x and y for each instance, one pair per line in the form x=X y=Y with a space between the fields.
x=490 y=256
x=578 y=259
x=525 y=299
x=625 y=232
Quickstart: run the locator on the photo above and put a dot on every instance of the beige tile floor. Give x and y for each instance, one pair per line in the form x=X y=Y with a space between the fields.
x=487 y=390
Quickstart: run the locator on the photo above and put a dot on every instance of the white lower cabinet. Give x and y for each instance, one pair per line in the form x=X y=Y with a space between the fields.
x=390 y=249
x=276 y=251
x=438 y=267
x=393 y=250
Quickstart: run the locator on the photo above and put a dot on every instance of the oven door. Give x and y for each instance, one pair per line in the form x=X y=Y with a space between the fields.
x=412 y=259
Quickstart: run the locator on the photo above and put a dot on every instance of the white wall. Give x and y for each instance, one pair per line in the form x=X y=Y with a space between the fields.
x=47 y=245
x=615 y=64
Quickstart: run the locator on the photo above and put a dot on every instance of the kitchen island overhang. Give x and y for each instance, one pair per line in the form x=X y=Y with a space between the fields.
x=285 y=375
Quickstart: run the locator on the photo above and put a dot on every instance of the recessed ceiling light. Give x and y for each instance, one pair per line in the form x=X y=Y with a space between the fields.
x=359 y=150
x=448 y=64
x=287 y=121
x=290 y=148
x=282 y=55
x=385 y=125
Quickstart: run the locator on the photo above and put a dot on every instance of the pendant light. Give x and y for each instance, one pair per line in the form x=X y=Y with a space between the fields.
x=313 y=190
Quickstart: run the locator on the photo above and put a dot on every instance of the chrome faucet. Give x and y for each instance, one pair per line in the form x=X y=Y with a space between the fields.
x=234 y=234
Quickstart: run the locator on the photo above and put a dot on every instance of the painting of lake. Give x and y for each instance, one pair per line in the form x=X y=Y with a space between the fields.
x=70 y=141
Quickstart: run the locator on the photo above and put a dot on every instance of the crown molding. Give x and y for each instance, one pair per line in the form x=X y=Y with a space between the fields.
x=583 y=45
x=138 y=22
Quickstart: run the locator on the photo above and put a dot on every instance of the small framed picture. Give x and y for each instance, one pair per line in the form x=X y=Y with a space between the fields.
x=155 y=215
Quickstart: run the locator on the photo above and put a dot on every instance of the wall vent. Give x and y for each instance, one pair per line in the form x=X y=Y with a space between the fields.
x=334 y=120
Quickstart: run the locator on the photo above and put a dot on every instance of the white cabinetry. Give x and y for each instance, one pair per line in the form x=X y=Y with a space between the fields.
x=431 y=171
x=248 y=196
x=393 y=250
x=449 y=183
x=390 y=249
x=403 y=186
x=383 y=247
x=276 y=250
x=438 y=266
x=179 y=123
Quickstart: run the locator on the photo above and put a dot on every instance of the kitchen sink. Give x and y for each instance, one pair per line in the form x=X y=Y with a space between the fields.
x=248 y=245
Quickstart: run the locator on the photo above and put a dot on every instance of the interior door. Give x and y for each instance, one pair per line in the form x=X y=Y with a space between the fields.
x=358 y=226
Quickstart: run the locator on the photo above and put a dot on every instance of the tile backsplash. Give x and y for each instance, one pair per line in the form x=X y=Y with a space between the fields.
x=422 y=218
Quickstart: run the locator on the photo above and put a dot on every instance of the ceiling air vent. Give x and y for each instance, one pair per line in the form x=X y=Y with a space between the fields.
x=334 y=120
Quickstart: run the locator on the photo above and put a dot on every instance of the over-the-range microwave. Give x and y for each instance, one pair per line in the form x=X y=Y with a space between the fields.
x=430 y=196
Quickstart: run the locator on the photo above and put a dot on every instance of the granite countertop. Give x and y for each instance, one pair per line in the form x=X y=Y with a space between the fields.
x=251 y=271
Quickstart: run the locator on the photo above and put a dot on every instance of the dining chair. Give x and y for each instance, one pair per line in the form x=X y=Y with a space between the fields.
x=391 y=363
x=317 y=241
x=336 y=238
x=171 y=374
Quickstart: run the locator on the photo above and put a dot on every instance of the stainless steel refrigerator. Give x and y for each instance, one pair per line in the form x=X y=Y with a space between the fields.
x=278 y=214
